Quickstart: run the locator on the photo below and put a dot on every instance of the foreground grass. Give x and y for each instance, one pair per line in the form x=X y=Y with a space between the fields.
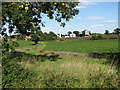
x=73 y=72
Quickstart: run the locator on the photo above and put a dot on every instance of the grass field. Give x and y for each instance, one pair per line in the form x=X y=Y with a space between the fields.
x=79 y=46
x=83 y=46
x=70 y=71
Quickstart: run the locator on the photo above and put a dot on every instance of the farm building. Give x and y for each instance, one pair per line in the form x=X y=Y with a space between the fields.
x=59 y=35
x=72 y=35
x=86 y=33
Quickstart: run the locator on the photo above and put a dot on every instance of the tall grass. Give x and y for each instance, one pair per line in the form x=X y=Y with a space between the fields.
x=74 y=72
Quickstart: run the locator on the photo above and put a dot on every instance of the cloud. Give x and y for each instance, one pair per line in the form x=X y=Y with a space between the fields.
x=88 y=3
x=94 y=18
x=68 y=26
x=97 y=26
x=111 y=21
x=80 y=7
x=79 y=18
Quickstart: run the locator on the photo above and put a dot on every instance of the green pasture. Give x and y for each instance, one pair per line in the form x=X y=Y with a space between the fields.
x=83 y=46
x=78 y=46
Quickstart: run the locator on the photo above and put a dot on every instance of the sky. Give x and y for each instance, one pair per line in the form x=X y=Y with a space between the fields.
x=93 y=16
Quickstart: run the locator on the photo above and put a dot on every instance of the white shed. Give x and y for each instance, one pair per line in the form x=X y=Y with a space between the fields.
x=72 y=35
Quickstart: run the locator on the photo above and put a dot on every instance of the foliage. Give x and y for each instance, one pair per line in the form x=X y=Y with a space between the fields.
x=98 y=37
x=113 y=38
x=76 y=32
x=117 y=31
x=5 y=45
x=13 y=75
x=14 y=43
x=26 y=16
x=90 y=33
x=34 y=38
x=69 y=33
x=50 y=36
x=94 y=37
x=106 y=32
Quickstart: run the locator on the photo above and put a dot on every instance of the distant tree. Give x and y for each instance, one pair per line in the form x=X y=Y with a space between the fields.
x=35 y=37
x=76 y=32
x=117 y=31
x=69 y=33
x=90 y=33
x=106 y=32
x=99 y=36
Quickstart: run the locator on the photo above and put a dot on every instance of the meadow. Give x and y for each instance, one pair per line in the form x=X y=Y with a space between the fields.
x=66 y=71
x=83 y=46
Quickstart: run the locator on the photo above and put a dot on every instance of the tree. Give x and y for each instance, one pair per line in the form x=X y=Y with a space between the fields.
x=26 y=16
x=69 y=33
x=35 y=38
x=117 y=31
x=52 y=36
x=90 y=33
x=106 y=32
x=76 y=32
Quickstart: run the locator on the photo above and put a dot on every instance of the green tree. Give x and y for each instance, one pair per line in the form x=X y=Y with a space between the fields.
x=26 y=16
x=52 y=36
x=69 y=33
x=117 y=31
x=76 y=32
x=35 y=38
x=106 y=32
x=90 y=33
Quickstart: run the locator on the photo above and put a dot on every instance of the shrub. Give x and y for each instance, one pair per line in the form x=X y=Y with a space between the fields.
x=113 y=38
x=99 y=37
x=94 y=37
x=14 y=43
x=13 y=74
x=61 y=39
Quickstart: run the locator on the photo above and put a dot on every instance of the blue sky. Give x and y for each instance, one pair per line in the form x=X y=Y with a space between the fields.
x=94 y=16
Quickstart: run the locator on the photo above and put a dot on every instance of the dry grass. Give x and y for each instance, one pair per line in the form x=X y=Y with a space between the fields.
x=85 y=70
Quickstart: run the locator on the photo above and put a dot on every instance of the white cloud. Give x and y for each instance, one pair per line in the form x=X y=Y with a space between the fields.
x=111 y=21
x=98 y=0
x=80 y=7
x=88 y=3
x=97 y=26
x=79 y=18
x=94 y=18
x=68 y=26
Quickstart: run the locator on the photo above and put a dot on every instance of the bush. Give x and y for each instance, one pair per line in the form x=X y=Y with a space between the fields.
x=14 y=43
x=99 y=37
x=94 y=37
x=113 y=38
x=14 y=75
x=35 y=38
